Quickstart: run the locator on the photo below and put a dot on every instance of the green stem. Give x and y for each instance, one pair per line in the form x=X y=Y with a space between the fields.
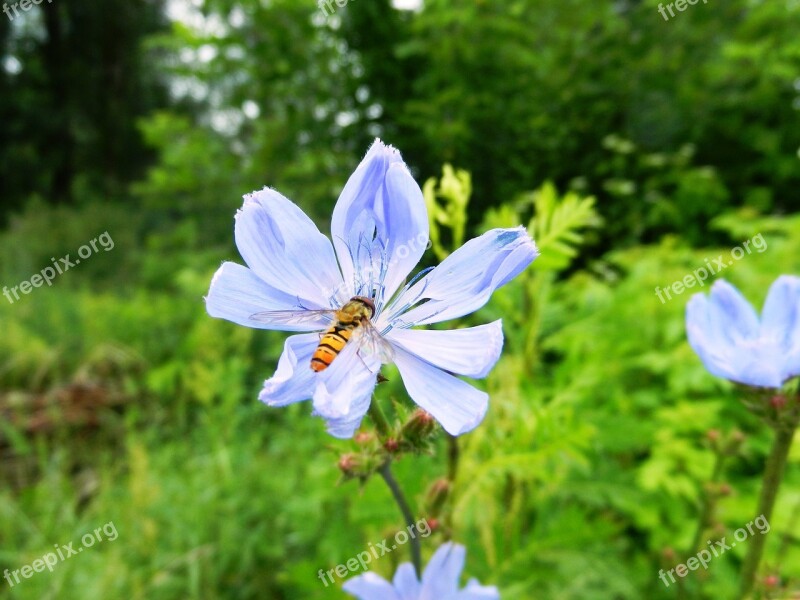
x=379 y=419
x=709 y=503
x=416 y=554
x=788 y=538
x=452 y=457
x=773 y=473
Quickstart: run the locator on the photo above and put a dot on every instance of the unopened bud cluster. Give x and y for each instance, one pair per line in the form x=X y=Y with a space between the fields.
x=414 y=435
x=779 y=410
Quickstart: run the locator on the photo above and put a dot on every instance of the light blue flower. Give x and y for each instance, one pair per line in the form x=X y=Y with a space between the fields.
x=439 y=581
x=380 y=231
x=726 y=333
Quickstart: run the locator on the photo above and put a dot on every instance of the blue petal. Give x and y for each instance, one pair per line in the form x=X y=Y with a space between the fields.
x=236 y=294
x=732 y=317
x=293 y=380
x=465 y=280
x=476 y=591
x=285 y=249
x=344 y=390
x=471 y=352
x=370 y=587
x=780 y=319
x=405 y=582
x=723 y=331
x=380 y=224
x=780 y=322
x=345 y=427
x=440 y=579
x=458 y=406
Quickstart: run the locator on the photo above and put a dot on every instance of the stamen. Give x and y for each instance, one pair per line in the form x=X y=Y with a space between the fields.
x=396 y=312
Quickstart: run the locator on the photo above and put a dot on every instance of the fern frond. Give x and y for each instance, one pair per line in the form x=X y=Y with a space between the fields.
x=558 y=224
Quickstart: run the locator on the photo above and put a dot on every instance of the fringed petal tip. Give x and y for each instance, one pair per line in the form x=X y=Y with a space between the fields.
x=465 y=280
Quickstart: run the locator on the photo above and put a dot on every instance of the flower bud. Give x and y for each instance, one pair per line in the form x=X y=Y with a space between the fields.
x=437 y=495
x=735 y=441
x=419 y=426
x=362 y=438
x=349 y=464
x=737 y=436
x=777 y=402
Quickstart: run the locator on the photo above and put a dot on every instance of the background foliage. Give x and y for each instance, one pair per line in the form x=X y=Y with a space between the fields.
x=632 y=147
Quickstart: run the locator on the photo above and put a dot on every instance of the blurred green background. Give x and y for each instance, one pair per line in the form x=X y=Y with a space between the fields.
x=633 y=147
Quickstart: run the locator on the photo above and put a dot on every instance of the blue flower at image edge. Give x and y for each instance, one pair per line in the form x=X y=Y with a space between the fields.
x=439 y=581
x=380 y=230
x=726 y=333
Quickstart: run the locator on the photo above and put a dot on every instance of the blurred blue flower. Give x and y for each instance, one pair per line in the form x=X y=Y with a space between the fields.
x=727 y=335
x=439 y=581
x=380 y=231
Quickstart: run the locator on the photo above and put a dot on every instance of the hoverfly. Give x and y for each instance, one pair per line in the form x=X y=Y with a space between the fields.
x=352 y=322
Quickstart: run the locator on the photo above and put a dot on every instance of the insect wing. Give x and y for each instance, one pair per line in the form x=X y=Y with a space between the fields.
x=372 y=343
x=294 y=317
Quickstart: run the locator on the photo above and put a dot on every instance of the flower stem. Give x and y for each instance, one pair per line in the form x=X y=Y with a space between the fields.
x=379 y=419
x=452 y=457
x=709 y=504
x=416 y=554
x=773 y=473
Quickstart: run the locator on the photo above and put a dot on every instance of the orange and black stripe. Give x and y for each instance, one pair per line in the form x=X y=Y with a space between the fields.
x=350 y=316
x=332 y=342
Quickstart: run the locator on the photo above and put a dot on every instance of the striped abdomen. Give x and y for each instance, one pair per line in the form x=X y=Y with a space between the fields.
x=332 y=342
x=358 y=310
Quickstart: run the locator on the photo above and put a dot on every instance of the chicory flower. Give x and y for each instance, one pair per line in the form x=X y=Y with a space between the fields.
x=380 y=231
x=439 y=581
x=733 y=343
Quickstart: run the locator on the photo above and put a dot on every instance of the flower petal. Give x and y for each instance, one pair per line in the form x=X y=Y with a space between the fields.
x=236 y=294
x=780 y=319
x=285 y=249
x=293 y=380
x=458 y=406
x=747 y=361
x=406 y=584
x=465 y=280
x=346 y=426
x=731 y=316
x=476 y=591
x=379 y=225
x=344 y=390
x=780 y=323
x=471 y=351
x=440 y=579
x=370 y=587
